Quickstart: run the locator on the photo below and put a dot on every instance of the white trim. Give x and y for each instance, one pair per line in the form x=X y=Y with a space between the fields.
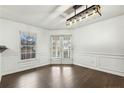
x=103 y=70
x=101 y=54
x=24 y=69
x=61 y=60
x=97 y=59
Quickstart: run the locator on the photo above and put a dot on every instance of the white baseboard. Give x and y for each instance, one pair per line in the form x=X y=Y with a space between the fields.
x=103 y=70
x=19 y=70
x=91 y=67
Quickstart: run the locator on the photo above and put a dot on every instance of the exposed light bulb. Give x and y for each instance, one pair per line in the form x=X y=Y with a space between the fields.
x=94 y=12
x=74 y=20
x=70 y=23
x=80 y=18
x=86 y=16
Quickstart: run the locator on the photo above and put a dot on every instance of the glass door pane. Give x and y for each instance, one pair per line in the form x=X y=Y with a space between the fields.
x=56 y=49
x=61 y=49
x=66 y=49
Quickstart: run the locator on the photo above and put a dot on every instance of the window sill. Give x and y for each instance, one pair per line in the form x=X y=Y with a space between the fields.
x=27 y=60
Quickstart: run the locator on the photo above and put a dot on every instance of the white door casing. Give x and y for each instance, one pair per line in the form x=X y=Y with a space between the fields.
x=61 y=49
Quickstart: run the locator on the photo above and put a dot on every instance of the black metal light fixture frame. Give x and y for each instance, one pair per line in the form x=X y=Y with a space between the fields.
x=95 y=8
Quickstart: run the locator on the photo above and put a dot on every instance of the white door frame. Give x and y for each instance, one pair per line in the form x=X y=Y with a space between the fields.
x=61 y=60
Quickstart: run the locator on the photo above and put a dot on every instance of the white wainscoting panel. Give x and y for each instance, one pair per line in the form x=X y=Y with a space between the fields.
x=16 y=65
x=113 y=64
x=89 y=60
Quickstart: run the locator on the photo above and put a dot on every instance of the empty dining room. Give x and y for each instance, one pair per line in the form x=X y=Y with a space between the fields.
x=61 y=46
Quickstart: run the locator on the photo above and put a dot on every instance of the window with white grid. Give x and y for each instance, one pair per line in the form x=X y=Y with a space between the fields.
x=28 y=45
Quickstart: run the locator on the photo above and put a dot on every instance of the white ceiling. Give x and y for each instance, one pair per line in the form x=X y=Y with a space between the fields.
x=53 y=16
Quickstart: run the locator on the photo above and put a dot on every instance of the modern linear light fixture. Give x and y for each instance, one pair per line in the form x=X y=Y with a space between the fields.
x=84 y=14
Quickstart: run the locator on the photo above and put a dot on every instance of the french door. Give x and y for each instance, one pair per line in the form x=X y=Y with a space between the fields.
x=61 y=49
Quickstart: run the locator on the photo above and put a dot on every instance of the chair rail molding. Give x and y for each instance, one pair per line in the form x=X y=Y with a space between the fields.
x=106 y=62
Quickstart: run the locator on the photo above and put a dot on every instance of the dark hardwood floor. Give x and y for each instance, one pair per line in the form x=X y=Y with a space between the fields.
x=62 y=76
